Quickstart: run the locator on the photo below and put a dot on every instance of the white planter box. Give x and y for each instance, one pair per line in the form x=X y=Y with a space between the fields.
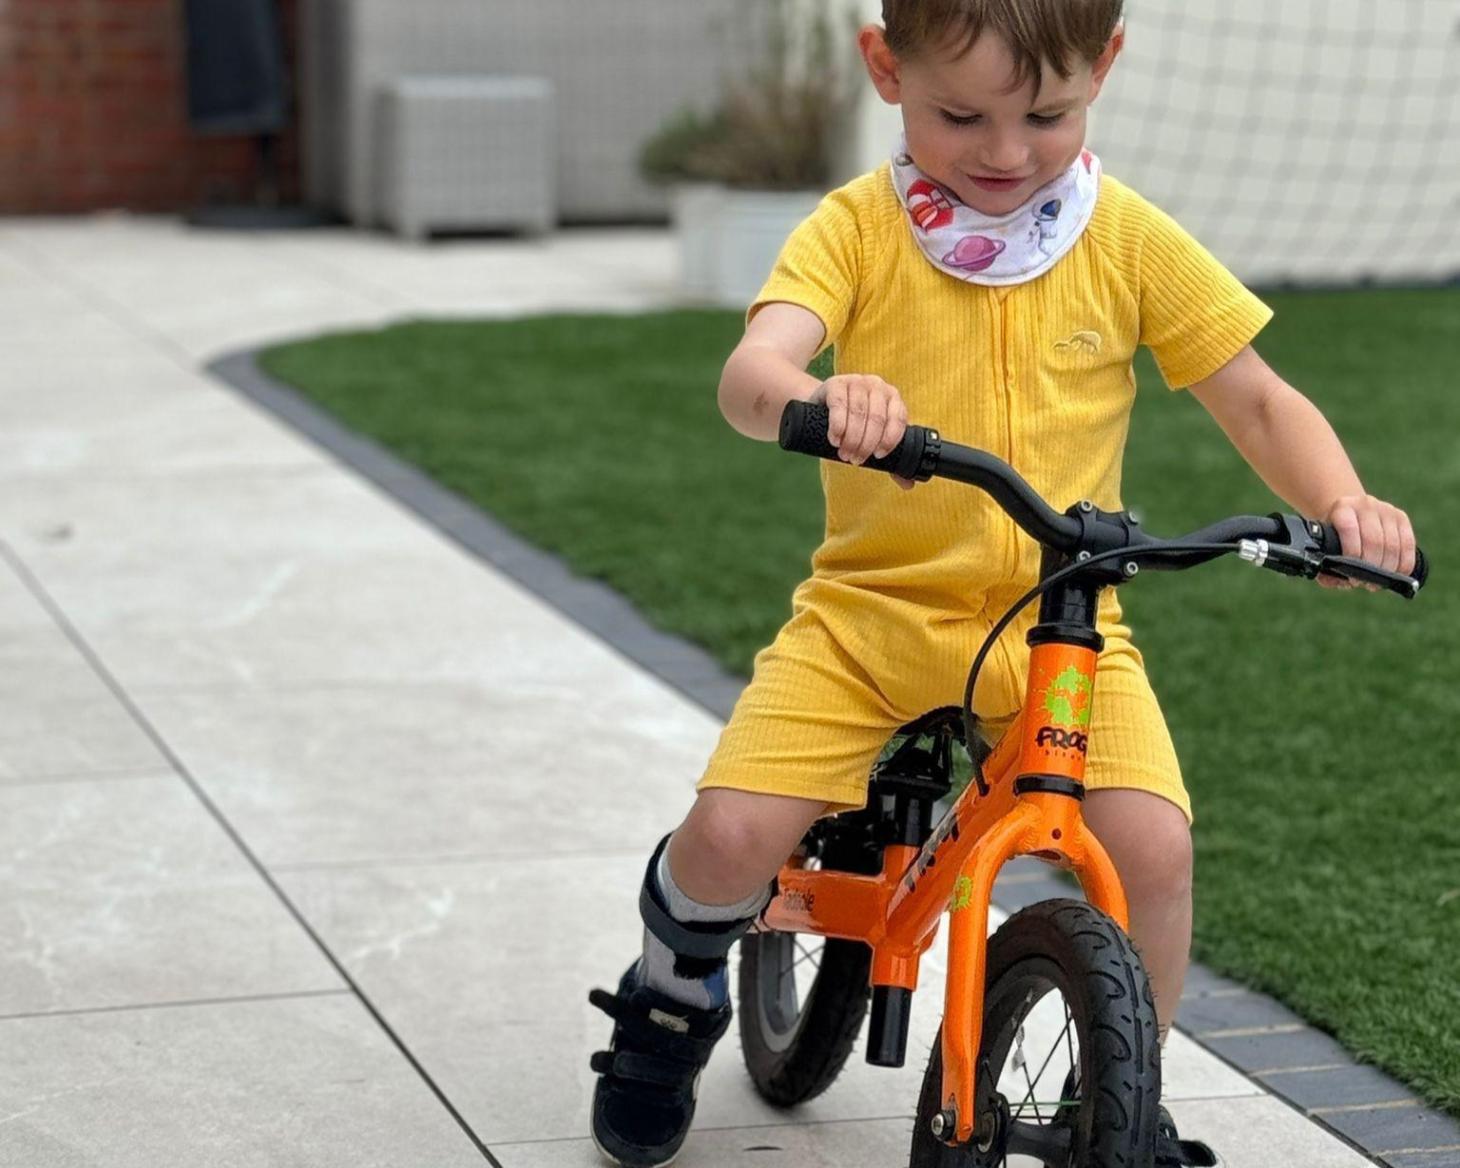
x=694 y=212
x=729 y=239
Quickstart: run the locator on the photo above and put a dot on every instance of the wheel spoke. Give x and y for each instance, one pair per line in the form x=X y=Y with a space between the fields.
x=1024 y=1065
x=1021 y=1060
x=806 y=955
x=1056 y=1105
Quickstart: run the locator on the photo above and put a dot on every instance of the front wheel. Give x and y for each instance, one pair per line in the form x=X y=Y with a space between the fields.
x=1069 y=1066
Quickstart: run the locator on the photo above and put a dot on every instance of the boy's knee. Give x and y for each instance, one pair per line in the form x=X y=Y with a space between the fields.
x=1161 y=863
x=732 y=840
x=1148 y=839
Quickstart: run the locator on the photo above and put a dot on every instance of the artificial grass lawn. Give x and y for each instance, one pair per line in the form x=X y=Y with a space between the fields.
x=1317 y=729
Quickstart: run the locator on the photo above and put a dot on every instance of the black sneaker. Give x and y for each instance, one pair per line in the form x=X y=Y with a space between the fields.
x=1174 y=1152
x=643 y=1104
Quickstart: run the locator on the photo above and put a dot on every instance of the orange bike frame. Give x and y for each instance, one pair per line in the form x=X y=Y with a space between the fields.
x=897 y=912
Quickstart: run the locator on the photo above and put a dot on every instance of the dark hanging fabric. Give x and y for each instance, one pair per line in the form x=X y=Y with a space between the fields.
x=235 y=67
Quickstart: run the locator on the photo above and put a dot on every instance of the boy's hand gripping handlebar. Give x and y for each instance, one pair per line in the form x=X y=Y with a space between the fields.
x=1291 y=544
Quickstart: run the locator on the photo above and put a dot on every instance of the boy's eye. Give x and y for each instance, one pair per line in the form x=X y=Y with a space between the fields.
x=1045 y=119
x=958 y=119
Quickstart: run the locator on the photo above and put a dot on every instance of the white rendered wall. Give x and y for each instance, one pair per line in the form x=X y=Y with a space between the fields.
x=1314 y=141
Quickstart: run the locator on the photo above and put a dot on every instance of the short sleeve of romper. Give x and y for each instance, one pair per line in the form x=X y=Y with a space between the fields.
x=820 y=267
x=1195 y=315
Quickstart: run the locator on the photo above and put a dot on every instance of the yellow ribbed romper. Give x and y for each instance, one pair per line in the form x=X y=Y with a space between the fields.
x=907 y=584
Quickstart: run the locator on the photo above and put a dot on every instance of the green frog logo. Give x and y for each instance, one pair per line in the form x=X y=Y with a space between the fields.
x=1067 y=699
x=1067 y=702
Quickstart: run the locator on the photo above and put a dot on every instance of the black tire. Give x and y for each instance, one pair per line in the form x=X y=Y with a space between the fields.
x=795 y=1044
x=1107 y=1116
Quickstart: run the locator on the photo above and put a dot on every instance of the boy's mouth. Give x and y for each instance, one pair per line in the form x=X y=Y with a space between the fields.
x=995 y=184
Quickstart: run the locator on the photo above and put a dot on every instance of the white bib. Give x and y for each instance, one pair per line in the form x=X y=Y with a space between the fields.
x=997 y=249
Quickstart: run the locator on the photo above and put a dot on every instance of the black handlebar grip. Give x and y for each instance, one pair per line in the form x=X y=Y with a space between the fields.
x=1333 y=546
x=803 y=430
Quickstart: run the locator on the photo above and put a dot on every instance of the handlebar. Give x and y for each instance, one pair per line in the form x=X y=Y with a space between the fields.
x=1290 y=544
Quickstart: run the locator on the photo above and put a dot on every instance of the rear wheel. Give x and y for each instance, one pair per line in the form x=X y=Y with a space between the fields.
x=803 y=997
x=1069 y=1071
x=802 y=1002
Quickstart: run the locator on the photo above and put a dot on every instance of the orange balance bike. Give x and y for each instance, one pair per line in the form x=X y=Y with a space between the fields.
x=1048 y=1046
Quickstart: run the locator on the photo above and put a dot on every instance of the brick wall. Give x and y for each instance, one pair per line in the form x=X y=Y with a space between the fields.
x=93 y=111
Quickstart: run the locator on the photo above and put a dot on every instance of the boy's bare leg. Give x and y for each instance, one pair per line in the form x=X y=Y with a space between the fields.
x=1149 y=842
x=732 y=843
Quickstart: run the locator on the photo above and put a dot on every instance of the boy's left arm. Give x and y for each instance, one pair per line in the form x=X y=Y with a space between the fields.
x=1294 y=450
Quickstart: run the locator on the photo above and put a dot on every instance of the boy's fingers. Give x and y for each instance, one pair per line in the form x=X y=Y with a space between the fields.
x=856 y=427
x=1406 y=545
x=905 y=484
x=1372 y=529
x=896 y=424
x=873 y=441
x=892 y=434
x=1391 y=541
x=836 y=412
x=1345 y=521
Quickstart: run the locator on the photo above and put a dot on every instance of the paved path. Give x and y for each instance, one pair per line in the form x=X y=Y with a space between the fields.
x=315 y=830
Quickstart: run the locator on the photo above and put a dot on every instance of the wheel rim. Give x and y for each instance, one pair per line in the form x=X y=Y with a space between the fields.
x=786 y=968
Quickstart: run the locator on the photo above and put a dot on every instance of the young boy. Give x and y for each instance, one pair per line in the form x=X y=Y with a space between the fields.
x=988 y=282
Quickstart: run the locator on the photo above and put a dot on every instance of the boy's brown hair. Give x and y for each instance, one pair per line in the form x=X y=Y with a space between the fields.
x=1038 y=32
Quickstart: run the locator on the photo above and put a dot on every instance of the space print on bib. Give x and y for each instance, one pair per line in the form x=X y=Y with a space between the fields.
x=997 y=249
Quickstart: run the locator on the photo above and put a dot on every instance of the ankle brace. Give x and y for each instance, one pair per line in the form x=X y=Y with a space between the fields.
x=699 y=935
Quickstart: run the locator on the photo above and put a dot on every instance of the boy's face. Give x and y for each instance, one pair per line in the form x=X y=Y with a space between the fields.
x=990 y=145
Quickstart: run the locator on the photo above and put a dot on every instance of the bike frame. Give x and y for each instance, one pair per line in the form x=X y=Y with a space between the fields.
x=1035 y=781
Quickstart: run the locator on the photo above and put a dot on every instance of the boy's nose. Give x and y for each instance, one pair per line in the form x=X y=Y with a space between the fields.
x=1005 y=153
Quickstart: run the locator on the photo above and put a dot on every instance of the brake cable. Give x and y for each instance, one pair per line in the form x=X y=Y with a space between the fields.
x=970 y=719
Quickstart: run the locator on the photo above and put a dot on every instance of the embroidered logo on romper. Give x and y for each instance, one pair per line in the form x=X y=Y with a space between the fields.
x=1083 y=342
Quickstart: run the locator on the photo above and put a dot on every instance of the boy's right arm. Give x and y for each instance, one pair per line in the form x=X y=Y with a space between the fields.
x=867 y=416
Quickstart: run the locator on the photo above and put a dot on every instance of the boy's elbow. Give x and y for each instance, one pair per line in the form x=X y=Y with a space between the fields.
x=729 y=397
x=723 y=393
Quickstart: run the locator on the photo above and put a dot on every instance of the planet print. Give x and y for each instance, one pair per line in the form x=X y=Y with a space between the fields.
x=974 y=253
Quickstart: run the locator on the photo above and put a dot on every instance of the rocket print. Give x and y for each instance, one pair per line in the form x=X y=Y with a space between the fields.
x=928 y=206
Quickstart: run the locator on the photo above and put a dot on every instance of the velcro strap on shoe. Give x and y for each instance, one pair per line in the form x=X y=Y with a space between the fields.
x=704 y=940
x=611 y=1004
x=637 y=1025
x=662 y=1072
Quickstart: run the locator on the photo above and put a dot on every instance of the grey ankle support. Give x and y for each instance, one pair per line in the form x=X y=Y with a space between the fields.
x=699 y=947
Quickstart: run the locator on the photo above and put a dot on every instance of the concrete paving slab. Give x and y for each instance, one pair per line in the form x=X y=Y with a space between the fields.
x=127 y=526
x=1263 y=1132
x=357 y=617
x=126 y=893
x=57 y=719
x=306 y=1082
x=316 y=775
x=178 y=426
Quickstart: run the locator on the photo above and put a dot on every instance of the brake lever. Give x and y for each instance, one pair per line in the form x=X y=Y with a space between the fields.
x=1300 y=561
x=1350 y=568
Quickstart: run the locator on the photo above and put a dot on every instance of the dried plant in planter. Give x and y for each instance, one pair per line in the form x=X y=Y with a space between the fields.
x=777 y=123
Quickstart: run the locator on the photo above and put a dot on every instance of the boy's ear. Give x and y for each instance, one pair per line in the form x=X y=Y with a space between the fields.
x=1101 y=67
x=882 y=65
